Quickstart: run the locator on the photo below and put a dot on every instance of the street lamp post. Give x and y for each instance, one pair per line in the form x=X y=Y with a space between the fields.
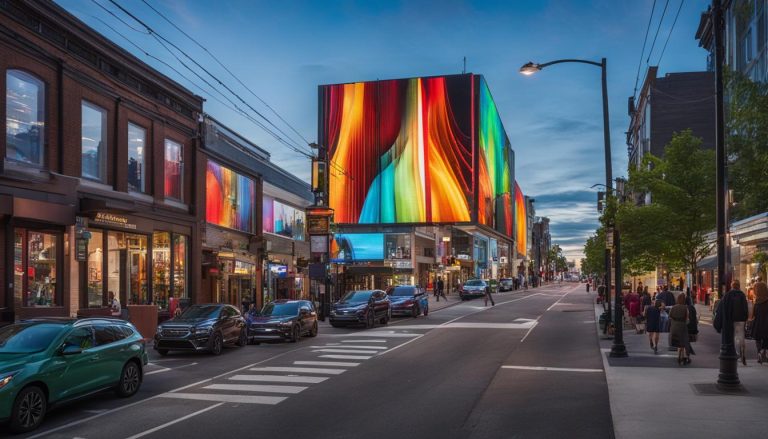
x=618 y=349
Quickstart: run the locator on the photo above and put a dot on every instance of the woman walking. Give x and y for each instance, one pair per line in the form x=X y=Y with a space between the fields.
x=652 y=315
x=760 y=322
x=678 y=316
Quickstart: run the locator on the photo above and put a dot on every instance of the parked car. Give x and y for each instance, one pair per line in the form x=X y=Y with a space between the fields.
x=408 y=300
x=361 y=307
x=282 y=320
x=506 y=284
x=207 y=327
x=45 y=362
x=473 y=288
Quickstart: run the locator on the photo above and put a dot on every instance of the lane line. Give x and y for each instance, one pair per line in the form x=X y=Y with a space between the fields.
x=299 y=370
x=175 y=421
x=326 y=363
x=553 y=369
x=279 y=378
x=164 y=369
x=347 y=346
x=347 y=357
x=242 y=399
x=257 y=388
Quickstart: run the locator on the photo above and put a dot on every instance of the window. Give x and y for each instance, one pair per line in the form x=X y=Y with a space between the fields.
x=137 y=139
x=169 y=281
x=24 y=118
x=94 y=141
x=81 y=337
x=174 y=170
x=35 y=268
x=95 y=273
x=106 y=334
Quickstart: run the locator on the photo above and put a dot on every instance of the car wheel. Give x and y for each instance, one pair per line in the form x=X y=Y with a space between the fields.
x=295 y=334
x=370 y=320
x=162 y=352
x=217 y=345
x=415 y=311
x=130 y=380
x=242 y=340
x=313 y=331
x=426 y=310
x=28 y=410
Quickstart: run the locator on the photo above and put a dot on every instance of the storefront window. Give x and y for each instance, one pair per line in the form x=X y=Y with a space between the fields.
x=137 y=142
x=174 y=169
x=34 y=271
x=24 y=117
x=180 y=252
x=161 y=270
x=94 y=141
x=127 y=265
x=398 y=246
x=95 y=279
x=18 y=266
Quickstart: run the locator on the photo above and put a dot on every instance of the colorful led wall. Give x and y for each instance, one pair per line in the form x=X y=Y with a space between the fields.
x=282 y=219
x=229 y=198
x=521 y=222
x=401 y=150
x=494 y=170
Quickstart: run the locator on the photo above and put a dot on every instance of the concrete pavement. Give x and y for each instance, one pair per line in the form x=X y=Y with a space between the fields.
x=651 y=396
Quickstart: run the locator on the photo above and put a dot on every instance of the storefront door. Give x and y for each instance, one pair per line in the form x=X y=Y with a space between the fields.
x=36 y=269
x=127 y=261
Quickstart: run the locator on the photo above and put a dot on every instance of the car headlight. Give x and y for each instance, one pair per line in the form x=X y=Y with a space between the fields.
x=286 y=324
x=159 y=329
x=6 y=378
x=202 y=329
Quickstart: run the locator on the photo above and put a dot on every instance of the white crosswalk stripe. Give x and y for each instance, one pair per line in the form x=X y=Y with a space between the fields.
x=299 y=370
x=346 y=357
x=243 y=399
x=345 y=351
x=363 y=341
x=257 y=388
x=346 y=346
x=279 y=378
x=326 y=363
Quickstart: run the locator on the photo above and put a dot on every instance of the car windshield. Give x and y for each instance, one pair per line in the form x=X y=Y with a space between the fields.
x=28 y=338
x=280 y=309
x=402 y=291
x=357 y=296
x=474 y=283
x=201 y=312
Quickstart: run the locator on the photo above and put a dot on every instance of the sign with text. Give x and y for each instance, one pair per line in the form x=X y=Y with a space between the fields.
x=111 y=219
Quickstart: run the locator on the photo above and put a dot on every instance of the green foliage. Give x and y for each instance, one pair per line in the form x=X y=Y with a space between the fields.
x=672 y=227
x=594 y=252
x=747 y=144
x=556 y=256
x=761 y=259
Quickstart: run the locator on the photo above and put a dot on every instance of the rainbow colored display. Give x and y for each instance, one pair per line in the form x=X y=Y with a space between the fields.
x=521 y=222
x=229 y=198
x=405 y=148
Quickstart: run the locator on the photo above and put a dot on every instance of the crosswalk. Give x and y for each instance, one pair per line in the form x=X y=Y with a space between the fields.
x=270 y=385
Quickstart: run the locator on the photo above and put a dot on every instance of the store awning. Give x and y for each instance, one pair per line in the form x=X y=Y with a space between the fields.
x=710 y=262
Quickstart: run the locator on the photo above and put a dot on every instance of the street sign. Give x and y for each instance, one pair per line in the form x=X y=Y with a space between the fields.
x=318 y=243
x=609 y=238
x=318 y=225
x=81 y=250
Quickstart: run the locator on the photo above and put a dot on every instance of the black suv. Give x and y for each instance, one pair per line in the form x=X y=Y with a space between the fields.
x=282 y=320
x=202 y=328
x=361 y=307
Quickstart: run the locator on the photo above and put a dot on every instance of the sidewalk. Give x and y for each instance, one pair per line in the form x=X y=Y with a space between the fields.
x=651 y=396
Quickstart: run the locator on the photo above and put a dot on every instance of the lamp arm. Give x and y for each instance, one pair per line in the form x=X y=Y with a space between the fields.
x=559 y=61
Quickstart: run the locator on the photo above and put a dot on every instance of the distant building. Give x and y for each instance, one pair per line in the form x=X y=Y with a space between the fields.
x=540 y=246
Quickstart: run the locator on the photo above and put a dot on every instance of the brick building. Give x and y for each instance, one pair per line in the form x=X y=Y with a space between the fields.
x=97 y=172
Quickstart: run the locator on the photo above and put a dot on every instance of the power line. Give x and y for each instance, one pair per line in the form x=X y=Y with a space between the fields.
x=670 y=32
x=642 y=52
x=658 y=28
x=227 y=70
x=158 y=37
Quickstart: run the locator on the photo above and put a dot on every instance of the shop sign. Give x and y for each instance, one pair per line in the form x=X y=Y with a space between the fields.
x=81 y=250
x=318 y=225
x=110 y=219
x=318 y=243
x=400 y=264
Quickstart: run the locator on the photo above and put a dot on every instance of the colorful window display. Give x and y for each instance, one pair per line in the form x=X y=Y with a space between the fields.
x=95 y=273
x=230 y=198
x=282 y=219
x=174 y=170
x=34 y=268
x=405 y=147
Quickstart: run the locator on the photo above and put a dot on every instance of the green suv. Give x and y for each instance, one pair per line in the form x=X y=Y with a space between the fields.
x=44 y=362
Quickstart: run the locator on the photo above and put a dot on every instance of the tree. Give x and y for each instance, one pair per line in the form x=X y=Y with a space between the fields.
x=747 y=144
x=672 y=228
x=594 y=252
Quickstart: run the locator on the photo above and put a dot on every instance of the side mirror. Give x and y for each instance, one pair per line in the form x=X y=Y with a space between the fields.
x=71 y=350
x=303 y=311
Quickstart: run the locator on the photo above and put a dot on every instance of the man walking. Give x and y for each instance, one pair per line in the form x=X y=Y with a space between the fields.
x=731 y=315
x=488 y=295
x=439 y=287
x=667 y=297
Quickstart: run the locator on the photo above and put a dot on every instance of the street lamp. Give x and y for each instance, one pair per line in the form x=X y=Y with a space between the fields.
x=618 y=349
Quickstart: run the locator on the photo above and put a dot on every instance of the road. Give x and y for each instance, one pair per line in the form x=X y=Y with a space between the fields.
x=527 y=367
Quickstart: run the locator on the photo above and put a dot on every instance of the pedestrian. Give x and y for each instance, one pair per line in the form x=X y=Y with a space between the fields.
x=731 y=315
x=678 y=333
x=488 y=296
x=652 y=317
x=632 y=304
x=693 y=320
x=114 y=305
x=760 y=320
x=439 y=286
x=587 y=287
x=667 y=297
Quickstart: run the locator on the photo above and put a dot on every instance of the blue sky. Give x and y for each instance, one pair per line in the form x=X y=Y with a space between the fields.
x=284 y=50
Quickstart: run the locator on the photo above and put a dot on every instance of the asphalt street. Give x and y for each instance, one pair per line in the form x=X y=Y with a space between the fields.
x=528 y=367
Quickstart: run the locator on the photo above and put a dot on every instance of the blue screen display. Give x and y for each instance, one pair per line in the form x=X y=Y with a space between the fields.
x=357 y=247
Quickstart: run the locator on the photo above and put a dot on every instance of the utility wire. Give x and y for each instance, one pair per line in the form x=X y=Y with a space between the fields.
x=642 y=52
x=670 y=32
x=658 y=28
x=159 y=37
x=227 y=70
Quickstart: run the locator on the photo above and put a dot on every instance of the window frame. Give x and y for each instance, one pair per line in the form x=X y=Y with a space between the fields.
x=42 y=113
x=180 y=185
x=102 y=151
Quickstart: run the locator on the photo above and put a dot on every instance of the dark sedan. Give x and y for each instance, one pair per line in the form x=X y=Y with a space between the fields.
x=408 y=300
x=202 y=328
x=473 y=288
x=282 y=320
x=506 y=284
x=361 y=307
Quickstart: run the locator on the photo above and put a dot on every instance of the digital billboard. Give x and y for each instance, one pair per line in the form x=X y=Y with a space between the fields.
x=521 y=222
x=351 y=247
x=495 y=172
x=229 y=198
x=401 y=151
x=283 y=219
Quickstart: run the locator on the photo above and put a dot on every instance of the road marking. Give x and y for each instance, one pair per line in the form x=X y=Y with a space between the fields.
x=552 y=369
x=347 y=357
x=477 y=325
x=164 y=369
x=529 y=331
x=363 y=341
x=175 y=421
x=346 y=351
x=299 y=370
x=242 y=399
x=279 y=378
x=326 y=363
x=346 y=346
x=257 y=388
x=384 y=334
